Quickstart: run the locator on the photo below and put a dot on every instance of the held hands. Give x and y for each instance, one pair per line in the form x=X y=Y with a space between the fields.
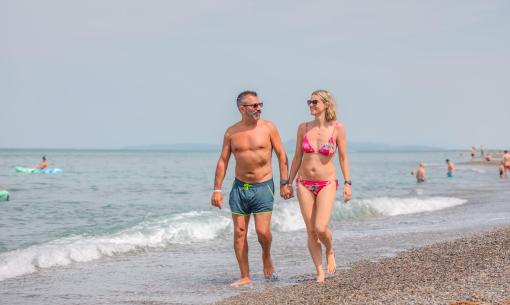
x=217 y=199
x=286 y=191
x=347 y=193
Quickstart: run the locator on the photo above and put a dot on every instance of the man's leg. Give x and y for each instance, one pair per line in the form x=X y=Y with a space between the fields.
x=241 y=248
x=262 y=226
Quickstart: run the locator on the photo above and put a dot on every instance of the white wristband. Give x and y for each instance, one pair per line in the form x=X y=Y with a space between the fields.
x=217 y=191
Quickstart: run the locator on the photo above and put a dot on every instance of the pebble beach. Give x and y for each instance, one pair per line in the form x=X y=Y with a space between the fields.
x=473 y=270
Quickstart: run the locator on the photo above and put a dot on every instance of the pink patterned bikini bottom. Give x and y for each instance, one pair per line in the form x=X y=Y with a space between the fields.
x=315 y=186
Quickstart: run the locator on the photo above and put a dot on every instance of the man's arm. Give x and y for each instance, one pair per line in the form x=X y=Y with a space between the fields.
x=221 y=169
x=283 y=161
x=298 y=154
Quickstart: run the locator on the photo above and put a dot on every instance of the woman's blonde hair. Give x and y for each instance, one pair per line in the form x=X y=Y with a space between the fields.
x=329 y=101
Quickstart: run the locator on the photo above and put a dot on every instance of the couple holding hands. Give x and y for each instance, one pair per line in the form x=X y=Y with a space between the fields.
x=252 y=141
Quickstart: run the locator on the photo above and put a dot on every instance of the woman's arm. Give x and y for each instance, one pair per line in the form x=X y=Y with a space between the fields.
x=342 y=158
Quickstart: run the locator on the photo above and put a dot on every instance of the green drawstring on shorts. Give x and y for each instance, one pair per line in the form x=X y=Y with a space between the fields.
x=246 y=186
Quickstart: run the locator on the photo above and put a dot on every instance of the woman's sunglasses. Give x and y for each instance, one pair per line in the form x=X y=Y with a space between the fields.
x=312 y=102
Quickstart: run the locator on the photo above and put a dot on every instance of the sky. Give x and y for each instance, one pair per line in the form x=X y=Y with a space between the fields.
x=109 y=74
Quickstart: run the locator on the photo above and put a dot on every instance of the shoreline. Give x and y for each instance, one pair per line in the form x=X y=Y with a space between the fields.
x=493 y=162
x=470 y=270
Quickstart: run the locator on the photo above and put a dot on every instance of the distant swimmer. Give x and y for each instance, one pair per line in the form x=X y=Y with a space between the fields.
x=488 y=157
x=420 y=173
x=43 y=164
x=473 y=152
x=482 y=151
x=451 y=168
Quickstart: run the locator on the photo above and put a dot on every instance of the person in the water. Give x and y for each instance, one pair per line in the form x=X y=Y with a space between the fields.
x=502 y=170
x=252 y=141
x=506 y=160
x=451 y=168
x=43 y=164
x=420 y=173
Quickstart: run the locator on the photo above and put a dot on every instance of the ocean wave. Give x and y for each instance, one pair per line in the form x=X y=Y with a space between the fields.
x=179 y=229
x=287 y=215
x=192 y=227
x=388 y=206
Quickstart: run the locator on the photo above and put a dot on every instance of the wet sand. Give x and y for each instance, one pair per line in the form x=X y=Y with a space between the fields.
x=470 y=270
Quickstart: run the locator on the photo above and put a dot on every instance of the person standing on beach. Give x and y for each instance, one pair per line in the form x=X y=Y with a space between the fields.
x=451 y=168
x=316 y=182
x=420 y=173
x=252 y=141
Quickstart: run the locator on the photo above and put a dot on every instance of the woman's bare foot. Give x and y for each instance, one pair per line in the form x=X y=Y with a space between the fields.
x=320 y=276
x=330 y=258
x=268 y=266
x=242 y=281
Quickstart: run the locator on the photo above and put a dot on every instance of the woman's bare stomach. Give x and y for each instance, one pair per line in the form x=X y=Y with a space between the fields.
x=317 y=171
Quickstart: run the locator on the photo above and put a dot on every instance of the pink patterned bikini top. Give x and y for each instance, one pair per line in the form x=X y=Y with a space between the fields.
x=325 y=149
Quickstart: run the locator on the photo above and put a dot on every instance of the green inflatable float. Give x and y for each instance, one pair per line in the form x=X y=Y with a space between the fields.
x=4 y=195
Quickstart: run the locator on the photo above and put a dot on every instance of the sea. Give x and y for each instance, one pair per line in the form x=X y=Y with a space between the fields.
x=137 y=227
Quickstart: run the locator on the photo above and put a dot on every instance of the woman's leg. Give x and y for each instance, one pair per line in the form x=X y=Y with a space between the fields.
x=325 y=202
x=307 y=205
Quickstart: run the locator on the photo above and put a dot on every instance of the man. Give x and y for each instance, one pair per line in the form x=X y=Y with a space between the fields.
x=506 y=160
x=252 y=141
x=43 y=164
x=451 y=168
x=420 y=173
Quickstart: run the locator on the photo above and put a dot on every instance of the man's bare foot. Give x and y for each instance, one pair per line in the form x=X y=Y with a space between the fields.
x=268 y=266
x=320 y=277
x=242 y=281
x=330 y=258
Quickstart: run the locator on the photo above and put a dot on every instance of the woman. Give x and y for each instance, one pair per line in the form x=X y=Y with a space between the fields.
x=316 y=182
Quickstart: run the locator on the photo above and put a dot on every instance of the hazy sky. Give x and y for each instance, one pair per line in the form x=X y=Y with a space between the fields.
x=106 y=74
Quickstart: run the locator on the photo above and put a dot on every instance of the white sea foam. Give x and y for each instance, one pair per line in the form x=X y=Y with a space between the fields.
x=477 y=170
x=287 y=216
x=179 y=229
x=419 y=191
x=194 y=227
x=388 y=206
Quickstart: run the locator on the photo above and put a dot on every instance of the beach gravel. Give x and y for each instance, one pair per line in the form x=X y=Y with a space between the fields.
x=468 y=271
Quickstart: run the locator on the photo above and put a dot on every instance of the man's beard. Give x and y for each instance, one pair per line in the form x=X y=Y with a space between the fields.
x=254 y=115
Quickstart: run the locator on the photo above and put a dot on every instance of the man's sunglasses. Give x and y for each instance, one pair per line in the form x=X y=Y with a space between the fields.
x=312 y=102
x=255 y=106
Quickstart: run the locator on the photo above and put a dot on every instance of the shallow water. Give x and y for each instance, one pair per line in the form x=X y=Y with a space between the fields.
x=124 y=227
